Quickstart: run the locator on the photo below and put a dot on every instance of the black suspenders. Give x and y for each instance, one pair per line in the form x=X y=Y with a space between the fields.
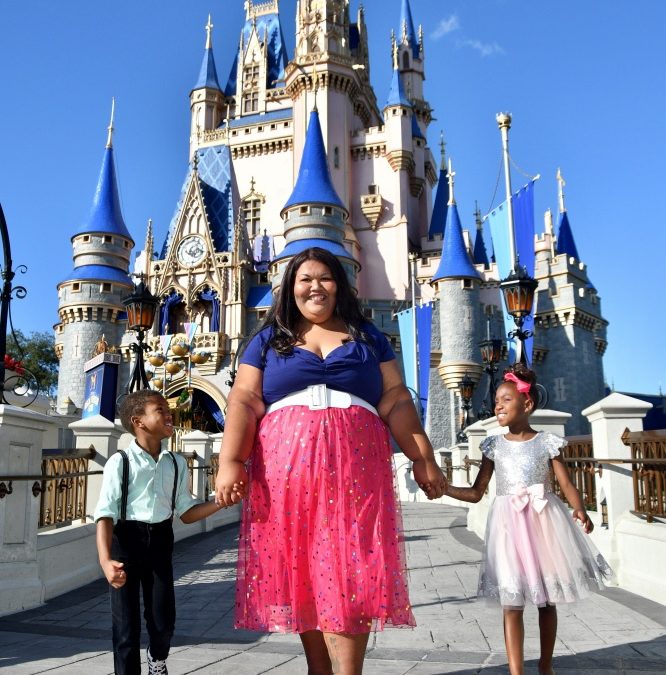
x=125 y=485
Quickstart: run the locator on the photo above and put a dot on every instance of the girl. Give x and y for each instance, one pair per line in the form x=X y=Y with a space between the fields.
x=533 y=550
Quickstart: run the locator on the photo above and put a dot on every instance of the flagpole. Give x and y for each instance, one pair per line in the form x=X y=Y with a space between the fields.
x=504 y=123
x=412 y=258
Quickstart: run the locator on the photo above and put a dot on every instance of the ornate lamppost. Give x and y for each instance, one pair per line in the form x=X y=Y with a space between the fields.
x=466 y=389
x=518 y=287
x=491 y=354
x=22 y=382
x=182 y=356
x=518 y=291
x=141 y=307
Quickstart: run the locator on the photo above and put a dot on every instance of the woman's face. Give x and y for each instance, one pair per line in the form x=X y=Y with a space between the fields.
x=314 y=291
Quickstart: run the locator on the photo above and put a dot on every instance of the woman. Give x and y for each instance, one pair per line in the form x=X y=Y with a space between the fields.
x=320 y=551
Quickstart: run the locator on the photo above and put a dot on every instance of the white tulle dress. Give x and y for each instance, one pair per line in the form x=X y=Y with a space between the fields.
x=534 y=551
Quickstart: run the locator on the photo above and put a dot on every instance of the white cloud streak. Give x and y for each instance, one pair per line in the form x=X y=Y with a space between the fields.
x=484 y=48
x=446 y=26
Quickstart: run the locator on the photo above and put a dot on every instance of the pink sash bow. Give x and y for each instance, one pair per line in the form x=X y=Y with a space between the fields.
x=523 y=495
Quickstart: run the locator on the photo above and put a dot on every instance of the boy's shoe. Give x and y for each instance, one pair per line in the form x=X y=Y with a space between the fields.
x=155 y=667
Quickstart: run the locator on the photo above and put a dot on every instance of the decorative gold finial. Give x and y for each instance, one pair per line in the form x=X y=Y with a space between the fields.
x=560 y=190
x=209 y=34
x=452 y=173
x=109 y=138
x=442 y=150
x=148 y=248
x=394 y=51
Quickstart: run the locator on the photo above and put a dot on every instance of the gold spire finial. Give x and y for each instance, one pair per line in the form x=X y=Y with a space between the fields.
x=560 y=190
x=209 y=34
x=394 y=51
x=109 y=138
x=148 y=248
x=442 y=150
x=452 y=173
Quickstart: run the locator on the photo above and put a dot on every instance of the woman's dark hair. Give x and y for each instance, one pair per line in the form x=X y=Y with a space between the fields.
x=522 y=372
x=284 y=316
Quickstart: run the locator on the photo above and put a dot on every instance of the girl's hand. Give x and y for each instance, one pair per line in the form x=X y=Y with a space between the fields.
x=429 y=477
x=230 y=483
x=114 y=573
x=581 y=515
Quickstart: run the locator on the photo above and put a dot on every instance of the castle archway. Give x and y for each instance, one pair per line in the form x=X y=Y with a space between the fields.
x=201 y=408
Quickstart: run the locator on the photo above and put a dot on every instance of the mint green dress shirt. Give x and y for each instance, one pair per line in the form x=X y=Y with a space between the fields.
x=150 y=487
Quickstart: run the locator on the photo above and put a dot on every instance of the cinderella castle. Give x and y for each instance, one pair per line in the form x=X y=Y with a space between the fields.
x=298 y=150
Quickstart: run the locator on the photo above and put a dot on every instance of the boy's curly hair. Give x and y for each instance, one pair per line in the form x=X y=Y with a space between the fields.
x=522 y=372
x=134 y=404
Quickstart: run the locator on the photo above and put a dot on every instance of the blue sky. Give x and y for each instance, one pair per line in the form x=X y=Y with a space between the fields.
x=583 y=80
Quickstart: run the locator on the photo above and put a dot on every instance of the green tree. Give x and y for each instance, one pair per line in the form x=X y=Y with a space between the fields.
x=37 y=354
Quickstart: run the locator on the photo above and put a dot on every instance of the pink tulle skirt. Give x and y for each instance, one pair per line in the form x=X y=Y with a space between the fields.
x=542 y=558
x=321 y=535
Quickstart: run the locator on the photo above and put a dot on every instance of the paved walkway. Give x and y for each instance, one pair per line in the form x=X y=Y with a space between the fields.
x=616 y=632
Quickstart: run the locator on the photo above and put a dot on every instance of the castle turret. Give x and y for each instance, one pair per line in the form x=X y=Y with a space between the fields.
x=457 y=284
x=90 y=297
x=570 y=326
x=411 y=60
x=480 y=254
x=206 y=98
x=314 y=214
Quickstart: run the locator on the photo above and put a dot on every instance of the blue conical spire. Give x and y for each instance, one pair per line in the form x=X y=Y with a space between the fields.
x=480 y=253
x=314 y=184
x=565 y=239
x=397 y=93
x=106 y=215
x=208 y=73
x=438 y=218
x=407 y=27
x=455 y=262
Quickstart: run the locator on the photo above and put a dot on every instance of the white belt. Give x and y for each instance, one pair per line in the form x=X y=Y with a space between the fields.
x=320 y=397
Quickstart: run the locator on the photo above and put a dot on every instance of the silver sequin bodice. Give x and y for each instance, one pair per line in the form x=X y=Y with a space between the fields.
x=522 y=462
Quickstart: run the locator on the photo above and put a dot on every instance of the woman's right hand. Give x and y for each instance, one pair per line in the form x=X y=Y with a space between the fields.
x=231 y=482
x=430 y=477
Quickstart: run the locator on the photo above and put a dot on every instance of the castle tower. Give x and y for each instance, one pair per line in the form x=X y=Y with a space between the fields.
x=314 y=214
x=206 y=98
x=411 y=60
x=457 y=284
x=570 y=328
x=90 y=297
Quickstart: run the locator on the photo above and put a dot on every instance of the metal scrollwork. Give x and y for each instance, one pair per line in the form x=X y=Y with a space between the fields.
x=19 y=380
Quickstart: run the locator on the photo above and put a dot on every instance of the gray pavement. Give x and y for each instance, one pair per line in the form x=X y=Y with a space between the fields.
x=616 y=632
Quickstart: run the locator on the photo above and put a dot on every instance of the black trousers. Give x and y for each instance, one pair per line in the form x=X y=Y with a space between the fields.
x=146 y=550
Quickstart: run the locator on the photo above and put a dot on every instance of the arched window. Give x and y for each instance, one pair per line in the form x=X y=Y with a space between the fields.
x=405 y=60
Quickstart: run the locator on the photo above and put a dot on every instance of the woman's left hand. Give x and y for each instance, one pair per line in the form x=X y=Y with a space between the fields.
x=581 y=515
x=429 y=477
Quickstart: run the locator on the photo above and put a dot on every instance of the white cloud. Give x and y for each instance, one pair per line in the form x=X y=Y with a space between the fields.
x=446 y=26
x=484 y=48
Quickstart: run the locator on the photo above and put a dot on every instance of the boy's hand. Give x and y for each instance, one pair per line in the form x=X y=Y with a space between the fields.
x=429 y=477
x=231 y=483
x=581 y=515
x=114 y=573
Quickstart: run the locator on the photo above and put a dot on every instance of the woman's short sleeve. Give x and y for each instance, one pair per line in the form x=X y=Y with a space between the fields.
x=554 y=444
x=380 y=343
x=487 y=447
x=253 y=355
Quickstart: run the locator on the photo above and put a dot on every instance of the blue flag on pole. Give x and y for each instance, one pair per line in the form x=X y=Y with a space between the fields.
x=423 y=330
x=523 y=222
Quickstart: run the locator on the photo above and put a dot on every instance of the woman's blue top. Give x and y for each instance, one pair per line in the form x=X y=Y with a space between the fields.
x=353 y=367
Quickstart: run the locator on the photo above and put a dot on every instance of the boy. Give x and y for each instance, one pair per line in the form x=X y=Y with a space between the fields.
x=135 y=539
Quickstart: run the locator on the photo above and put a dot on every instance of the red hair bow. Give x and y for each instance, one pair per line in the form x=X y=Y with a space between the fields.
x=522 y=386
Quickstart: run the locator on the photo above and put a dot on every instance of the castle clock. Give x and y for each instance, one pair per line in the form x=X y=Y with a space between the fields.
x=191 y=250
